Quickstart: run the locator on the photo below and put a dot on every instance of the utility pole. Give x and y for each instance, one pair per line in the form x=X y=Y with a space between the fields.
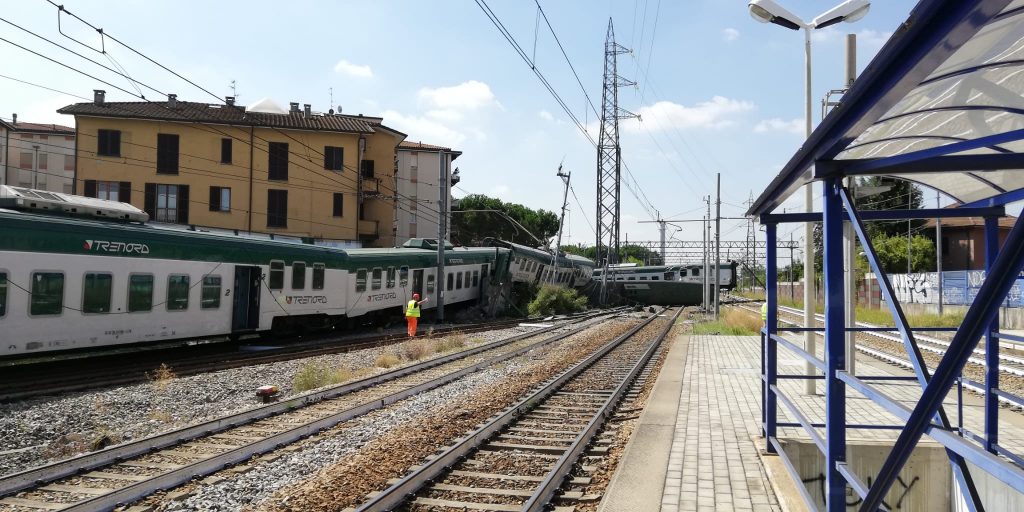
x=792 y=289
x=718 y=240
x=35 y=168
x=442 y=229
x=707 y=250
x=938 y=250
x=849 y=238
x=561 y=220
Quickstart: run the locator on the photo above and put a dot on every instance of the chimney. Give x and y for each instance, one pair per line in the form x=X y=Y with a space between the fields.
x=230 y=100
x=172 y=100
x=307 y=113
x=14 y=118
x=293 y=107
x=98 y=96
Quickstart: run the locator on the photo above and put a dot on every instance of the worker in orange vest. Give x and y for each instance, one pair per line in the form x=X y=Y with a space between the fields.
x=412 y=313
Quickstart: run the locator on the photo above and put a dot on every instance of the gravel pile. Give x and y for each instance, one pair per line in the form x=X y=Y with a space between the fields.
x=41 y=430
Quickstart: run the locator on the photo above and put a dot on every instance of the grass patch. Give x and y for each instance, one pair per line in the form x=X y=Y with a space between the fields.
x=313 y=376
x=417 y=349
x=877 y=316
x=452 y=343
x=732 y=322
x=387 y=360
x=162 y=377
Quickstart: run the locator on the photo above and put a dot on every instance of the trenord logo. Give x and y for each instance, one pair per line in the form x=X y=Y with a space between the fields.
x=115 y=247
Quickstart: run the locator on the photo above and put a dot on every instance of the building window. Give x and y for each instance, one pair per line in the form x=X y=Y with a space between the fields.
x=177 y=292
x=277 y=164
x=277 y=208
x=414 y=174
x=211 y=293
x=318 y=276
x=167 y=203
x=413 y=203
x=167 y=153
x=26 y=160
x=69 y=162
x=47 y=293
x=298 y=275
x=3 y=293
x=412 y=230
x=225 y=151
x=109 y=190
x=43 y=160
x=339 y=204
x=108 y=143
x=220 y=199
x=96 y=290
x=375 y=282
x=140 y=292
x=276 y=275
x=361 y=280
x=403 y=276
x=334 y=158
x=430 y=283
x=366 y=167
x=390 y=283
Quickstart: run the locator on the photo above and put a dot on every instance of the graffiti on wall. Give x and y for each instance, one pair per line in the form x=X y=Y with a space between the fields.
x=958 y=288
x=899 y=490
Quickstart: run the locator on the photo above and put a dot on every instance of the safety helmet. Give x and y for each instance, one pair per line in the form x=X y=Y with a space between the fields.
x=416 y=296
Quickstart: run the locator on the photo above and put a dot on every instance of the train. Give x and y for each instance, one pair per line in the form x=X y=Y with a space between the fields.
x=79 y=272
x=664 y=284
x=539 y=266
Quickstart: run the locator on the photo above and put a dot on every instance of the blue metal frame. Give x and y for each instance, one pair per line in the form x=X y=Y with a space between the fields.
x=924 y=213
x=991 y=345
x=835 y=346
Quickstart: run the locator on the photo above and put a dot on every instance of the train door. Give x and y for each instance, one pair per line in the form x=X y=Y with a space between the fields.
x=417 y=281
x=246 y=305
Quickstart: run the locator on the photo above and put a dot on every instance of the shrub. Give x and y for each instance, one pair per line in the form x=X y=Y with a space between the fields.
x=417 y=349
x=451 y=343
x=553 y=300
x=162 y=377
x=312 y=376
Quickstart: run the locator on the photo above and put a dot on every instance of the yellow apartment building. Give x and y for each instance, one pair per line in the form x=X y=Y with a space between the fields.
x=257 y=169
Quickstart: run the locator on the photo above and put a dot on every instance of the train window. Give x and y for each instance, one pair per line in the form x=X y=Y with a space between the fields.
x=298 y=275
x=654 y=278
x=458 y=281
x=391 y=277
x=682 y=273
x=631 y=278
x=318 y=276
x=96 y=290
x=476 y=278
x=361 y=280
x=47 y=293
x=643 y=278
x=669 y=276
x=696 y=272
x=140 y=292
x=177 y=292
x=211 y=293
x=451 y=281
x=276 y=275
x=485 y=270
x=430 y=283
x=375 y=283
x=3 y=293
x=403 y=276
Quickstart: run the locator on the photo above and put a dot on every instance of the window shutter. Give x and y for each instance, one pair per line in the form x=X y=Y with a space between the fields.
x=328 y=161
x=182 y=204
x=90 y=188
x=150 y=204
x=124 y=192
x=214 y=199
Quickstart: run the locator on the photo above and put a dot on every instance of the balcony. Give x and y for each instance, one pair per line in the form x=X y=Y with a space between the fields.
x=369 y=229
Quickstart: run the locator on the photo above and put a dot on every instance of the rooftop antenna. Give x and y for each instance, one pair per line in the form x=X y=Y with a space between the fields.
x=330 y=90
x=234 y=90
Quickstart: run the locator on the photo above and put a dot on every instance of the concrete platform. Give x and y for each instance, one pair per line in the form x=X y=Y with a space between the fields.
x=698 y=444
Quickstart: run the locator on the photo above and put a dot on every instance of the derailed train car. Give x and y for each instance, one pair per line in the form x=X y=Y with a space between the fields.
x=662 y=285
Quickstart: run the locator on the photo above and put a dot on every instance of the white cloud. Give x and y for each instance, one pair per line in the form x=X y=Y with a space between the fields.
x=350 y=69
x=424 y=129
x=470 y=95
x=719 y=112
x=545 y=115
x=730 y=34
x=447 y=115
x=775 y=124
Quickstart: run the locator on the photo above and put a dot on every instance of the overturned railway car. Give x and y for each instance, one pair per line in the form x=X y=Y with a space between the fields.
x=68 y=281
x=662 y=285
x=534 y=266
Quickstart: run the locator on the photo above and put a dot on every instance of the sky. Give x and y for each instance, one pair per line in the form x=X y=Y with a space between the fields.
x=716 y=91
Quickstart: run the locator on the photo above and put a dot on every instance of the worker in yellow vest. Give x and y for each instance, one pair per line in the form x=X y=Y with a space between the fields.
x=764 y=314
x=412 y=313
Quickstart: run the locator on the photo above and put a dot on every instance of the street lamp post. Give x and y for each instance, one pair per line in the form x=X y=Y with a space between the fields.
x=769 y=11
x=35 y=168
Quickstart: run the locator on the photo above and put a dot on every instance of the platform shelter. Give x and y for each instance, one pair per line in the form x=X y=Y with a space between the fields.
x=941 y=105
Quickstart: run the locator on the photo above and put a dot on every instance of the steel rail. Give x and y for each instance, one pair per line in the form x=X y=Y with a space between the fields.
x=408 y=485
x=556 y=477
x=112 y=455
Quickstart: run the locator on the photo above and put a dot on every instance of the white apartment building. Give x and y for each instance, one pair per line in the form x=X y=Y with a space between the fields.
x=419 y=167
x=40 y=156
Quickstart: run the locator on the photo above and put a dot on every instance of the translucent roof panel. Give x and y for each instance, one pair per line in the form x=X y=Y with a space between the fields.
x=944 y=78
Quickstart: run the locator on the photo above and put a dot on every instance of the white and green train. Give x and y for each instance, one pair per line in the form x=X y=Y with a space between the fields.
x=69 y=280
x=665 y=285
x=538 y=266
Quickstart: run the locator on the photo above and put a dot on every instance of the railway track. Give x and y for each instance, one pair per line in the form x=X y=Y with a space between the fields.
x=1008 y=364
x=522 y=458
x=22 y=381
x=125 y=473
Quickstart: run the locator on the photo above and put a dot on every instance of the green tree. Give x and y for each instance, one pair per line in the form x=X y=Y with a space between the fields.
x=470 y=227
x=892 y=253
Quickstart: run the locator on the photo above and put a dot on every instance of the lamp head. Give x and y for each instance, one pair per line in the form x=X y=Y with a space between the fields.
x=768 y=11
x=848 y=11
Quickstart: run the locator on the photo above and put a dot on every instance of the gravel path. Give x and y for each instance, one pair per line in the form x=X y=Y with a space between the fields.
x=41 y=430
